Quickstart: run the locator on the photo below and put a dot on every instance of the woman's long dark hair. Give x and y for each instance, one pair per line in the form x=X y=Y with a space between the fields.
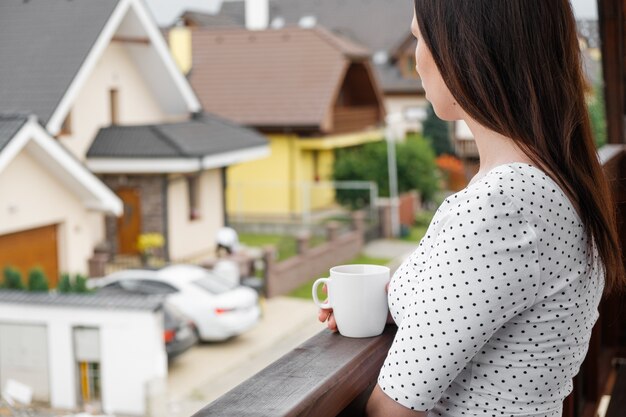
x=515 y=67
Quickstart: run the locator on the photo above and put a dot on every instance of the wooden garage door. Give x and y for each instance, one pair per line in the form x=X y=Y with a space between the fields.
x=29 y=249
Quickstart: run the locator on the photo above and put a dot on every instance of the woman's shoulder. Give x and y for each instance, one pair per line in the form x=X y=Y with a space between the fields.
x=516 y=186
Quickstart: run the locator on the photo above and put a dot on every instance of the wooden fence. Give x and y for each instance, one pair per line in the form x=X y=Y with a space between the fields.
x=283 y=277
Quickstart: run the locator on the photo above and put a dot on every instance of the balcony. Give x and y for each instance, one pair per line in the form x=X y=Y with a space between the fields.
x=350 y=119
x=330 y=375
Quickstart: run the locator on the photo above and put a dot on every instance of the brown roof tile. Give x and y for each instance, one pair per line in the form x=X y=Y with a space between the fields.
x=285 y=77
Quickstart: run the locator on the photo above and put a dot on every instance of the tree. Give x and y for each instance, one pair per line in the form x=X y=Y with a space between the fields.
x=65 y=284
x=12 y=279
x=437 y=132
x=37 y=280
x=415 y=163
x=597 y=115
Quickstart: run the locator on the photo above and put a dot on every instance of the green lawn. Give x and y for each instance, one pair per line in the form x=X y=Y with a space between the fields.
x=418 y=231
x=305 y=290
x=285 y=244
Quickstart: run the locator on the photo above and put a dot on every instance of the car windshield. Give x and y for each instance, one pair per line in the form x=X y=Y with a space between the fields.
x=213 y=284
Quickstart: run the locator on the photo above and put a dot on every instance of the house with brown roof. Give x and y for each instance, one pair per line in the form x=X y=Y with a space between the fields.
x=308 y=90
x=382 y=26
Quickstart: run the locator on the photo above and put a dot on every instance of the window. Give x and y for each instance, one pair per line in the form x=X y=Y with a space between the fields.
x=410 y=71
x=193 y=193
x=89 y=374
x=146 y=287
x=213 y=284
x=113 y=101
x=87 y=356
x=66 y=127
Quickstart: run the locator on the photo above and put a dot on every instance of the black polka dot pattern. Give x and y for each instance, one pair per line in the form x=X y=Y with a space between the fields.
x=496 y=305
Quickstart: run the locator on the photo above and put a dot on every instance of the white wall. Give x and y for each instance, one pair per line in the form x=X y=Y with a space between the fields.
x=190 y=238
x=48 y=202
x=131 y=346
x=398 y=104
x=91 y=110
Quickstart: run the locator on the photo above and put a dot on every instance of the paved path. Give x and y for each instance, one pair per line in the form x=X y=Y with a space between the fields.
x=396 y=250
x=210 y=370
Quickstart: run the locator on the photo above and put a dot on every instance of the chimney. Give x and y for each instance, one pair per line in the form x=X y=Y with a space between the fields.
x=257 y=14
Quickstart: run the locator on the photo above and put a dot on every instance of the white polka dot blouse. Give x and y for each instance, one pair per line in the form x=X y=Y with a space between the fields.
x=495 y=307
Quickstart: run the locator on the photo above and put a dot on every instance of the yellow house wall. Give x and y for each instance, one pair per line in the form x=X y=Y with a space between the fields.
x=180 y=46
x=274 y=186
x=324 y=196
x=261 y=187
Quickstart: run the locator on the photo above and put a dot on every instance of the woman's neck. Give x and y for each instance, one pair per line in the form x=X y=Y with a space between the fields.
x=494 y=149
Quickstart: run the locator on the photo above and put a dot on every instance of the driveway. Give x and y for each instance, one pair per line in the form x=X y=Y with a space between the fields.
x=209 y=370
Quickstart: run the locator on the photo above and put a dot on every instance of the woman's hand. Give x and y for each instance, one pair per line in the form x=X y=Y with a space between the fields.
x=326 y=315
x=390 y=319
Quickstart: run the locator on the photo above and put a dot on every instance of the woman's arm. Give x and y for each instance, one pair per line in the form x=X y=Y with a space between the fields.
x=380 y=405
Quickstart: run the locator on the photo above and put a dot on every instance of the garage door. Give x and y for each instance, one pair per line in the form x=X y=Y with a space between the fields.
x=24 y=358
x=31 y=248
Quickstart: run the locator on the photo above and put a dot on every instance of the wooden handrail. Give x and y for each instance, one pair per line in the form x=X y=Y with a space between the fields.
x=328 y=375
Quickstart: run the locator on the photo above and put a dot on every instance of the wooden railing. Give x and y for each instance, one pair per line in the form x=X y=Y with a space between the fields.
x=330 y=375
x=608 y=338
x=350 y=119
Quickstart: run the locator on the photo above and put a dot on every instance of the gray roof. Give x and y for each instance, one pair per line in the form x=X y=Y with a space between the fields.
x=392 y=80
x=9 y=126
x=589 y=29
x=211 y=20
x=593 y=68
x=95 y=300
x=43 y=44
x=201 y=136
x=350 y=18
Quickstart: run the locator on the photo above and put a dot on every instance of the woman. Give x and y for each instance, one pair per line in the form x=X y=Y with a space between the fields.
x=495 y=307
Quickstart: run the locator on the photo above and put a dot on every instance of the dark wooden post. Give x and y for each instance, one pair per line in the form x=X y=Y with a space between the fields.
x=303 y=241
x=332 y=231
x=358 y=221
x=611 y=16
x=269 y=260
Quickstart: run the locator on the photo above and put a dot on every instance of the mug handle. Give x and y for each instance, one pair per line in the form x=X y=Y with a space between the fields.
x=316 y=300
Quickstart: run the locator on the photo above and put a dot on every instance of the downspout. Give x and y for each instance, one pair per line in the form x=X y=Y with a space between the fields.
x=224 y=185
x=291 y=182
x=164 y=192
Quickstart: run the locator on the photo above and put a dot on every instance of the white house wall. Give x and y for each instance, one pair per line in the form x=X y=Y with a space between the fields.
x=91 y=110
x=190 y=238
x=131 y=345
x=51 y=204
x=399 y=105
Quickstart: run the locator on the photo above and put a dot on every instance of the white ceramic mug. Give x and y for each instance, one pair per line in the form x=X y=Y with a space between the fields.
x=357 y=295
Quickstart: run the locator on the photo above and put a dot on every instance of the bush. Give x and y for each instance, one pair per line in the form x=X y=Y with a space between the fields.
x=597 y=115
x=12 y=279
x=415 y=163
x=65 y=284
x=437 y=132
x=80 y=284
x=37 y=280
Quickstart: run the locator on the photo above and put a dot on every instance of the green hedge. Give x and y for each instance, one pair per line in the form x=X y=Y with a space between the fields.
x=415 y=163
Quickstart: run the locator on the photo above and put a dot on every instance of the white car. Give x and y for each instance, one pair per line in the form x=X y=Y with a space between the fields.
x=218 y=309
